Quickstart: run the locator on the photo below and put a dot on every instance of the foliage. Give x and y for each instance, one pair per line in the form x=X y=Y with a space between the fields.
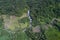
x=12 y=7
x=45 y=9
x=53 y=34
x=41 y=11
x=1 y=23
x=24 y=20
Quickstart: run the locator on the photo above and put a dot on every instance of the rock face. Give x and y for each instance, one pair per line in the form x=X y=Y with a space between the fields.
x=36 y=29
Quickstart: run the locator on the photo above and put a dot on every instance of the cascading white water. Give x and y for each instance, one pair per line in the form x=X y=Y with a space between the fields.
x=30 y=20
x=30 y=25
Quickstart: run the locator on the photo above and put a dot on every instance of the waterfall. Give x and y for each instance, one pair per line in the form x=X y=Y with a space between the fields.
x=29 y=16
x=30 y=19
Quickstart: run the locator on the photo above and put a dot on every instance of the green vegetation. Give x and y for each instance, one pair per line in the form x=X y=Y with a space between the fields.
x=53 y=34
x=14 y=19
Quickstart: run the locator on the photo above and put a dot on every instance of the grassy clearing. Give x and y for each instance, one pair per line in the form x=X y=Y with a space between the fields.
x=12 y=22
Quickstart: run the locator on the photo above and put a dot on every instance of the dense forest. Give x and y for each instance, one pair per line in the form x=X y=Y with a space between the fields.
x=29 y=19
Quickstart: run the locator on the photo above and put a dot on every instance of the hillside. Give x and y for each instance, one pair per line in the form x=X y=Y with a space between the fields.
x=29 y=19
